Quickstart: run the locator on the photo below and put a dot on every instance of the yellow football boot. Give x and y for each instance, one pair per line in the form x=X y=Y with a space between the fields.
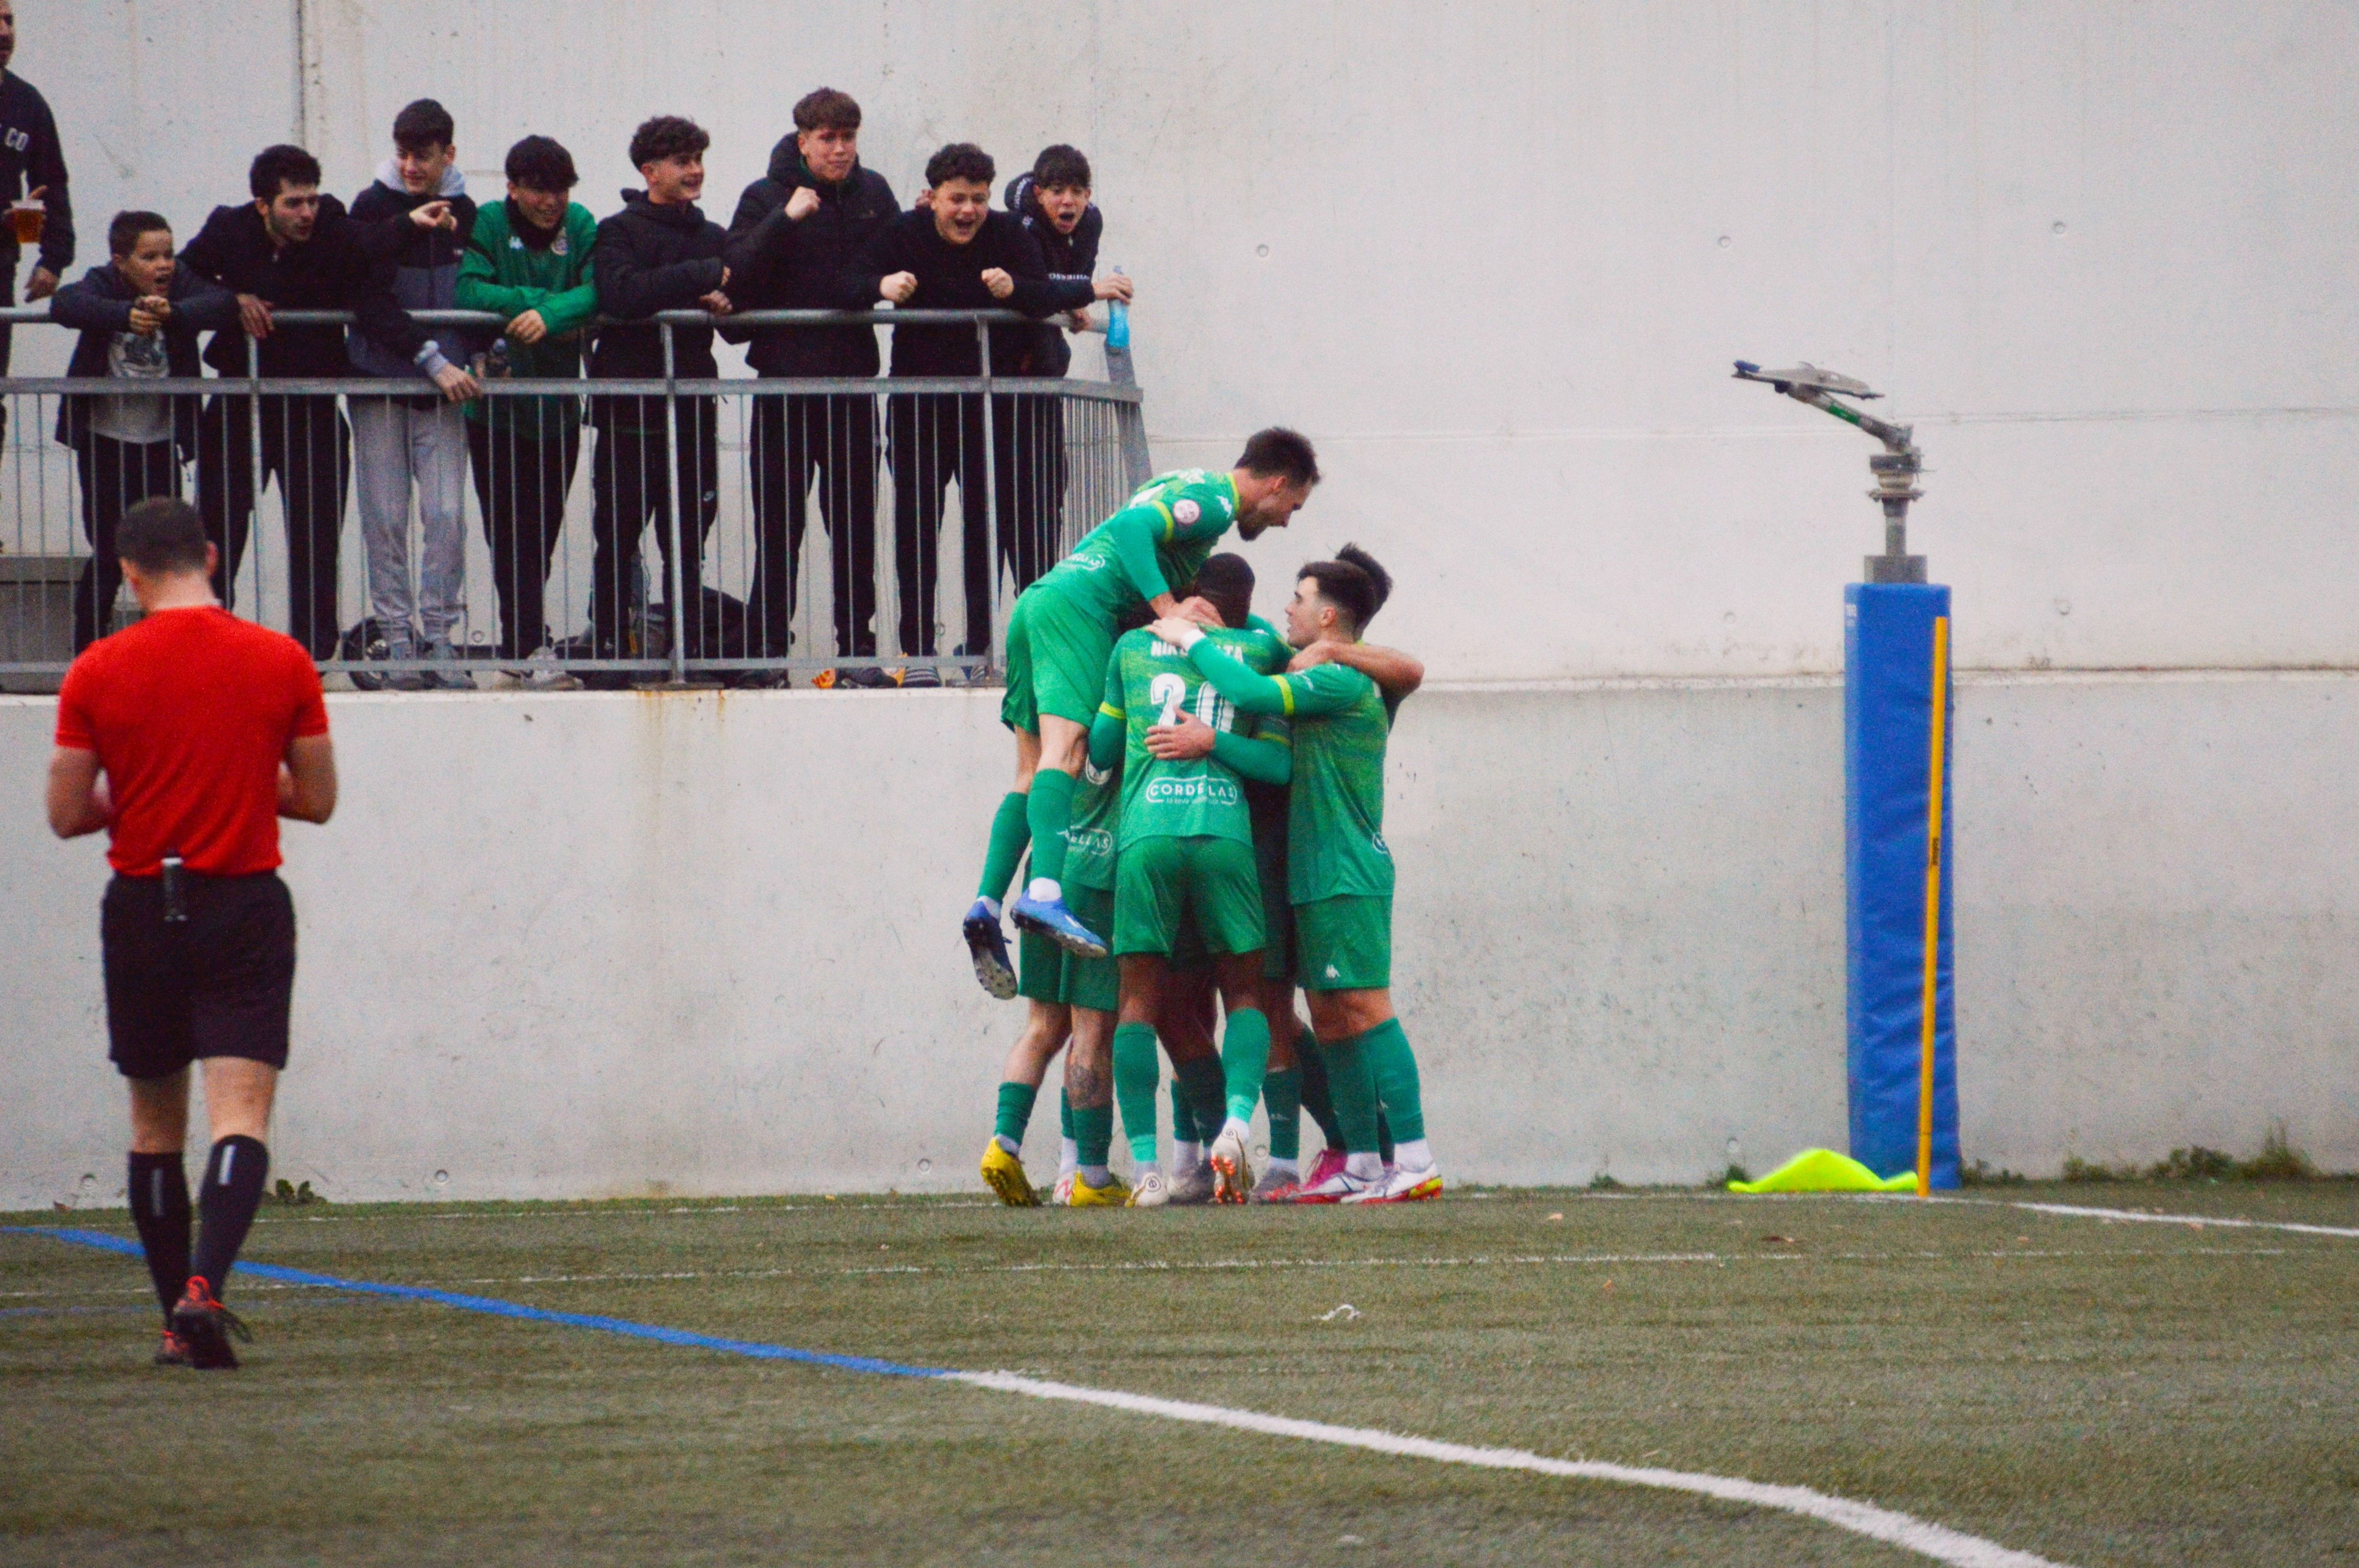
x=1003 y=1173
x=1114 y=1195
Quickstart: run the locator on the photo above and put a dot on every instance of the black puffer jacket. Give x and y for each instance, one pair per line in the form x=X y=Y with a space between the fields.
x=1069 y=257
x=651 y=258
x=99 y=307
x=950 y=277
x=774 y=265
x=335 y=269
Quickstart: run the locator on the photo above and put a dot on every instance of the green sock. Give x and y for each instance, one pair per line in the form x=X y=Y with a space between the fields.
x=1010 y=831
x=1016 y=1112
x=1354 y=1088
x=1065 y=1115
x=1183 y=1120
x=1315 y=1098
x=1094 y=1132
x=1207 y=1093
x=1050 y=814
x=1282 y=1093
x=1245 y=1061
x=1394 y=1066
x=1137 y=1074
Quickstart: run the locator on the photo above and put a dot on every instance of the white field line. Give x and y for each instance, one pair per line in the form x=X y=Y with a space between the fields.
x=1156 y=1266
x=2197 y=1220
x=1904 y=1531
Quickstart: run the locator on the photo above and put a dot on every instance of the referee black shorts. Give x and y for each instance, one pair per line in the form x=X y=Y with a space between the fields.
x=216 y=984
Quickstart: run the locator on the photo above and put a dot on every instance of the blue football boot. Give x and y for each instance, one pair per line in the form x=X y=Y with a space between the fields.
x=988 y=946
x=1050 y=918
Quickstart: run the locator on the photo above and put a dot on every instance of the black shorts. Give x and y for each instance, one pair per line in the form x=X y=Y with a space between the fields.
x=217 y=984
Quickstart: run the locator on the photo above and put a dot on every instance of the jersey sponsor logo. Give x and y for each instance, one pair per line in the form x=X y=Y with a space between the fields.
x=560 y=246
x=1089 y=840
x=1202 y=789
x=1187 y=512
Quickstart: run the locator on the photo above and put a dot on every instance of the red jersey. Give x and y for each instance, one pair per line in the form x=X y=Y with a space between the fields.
x=191 y=712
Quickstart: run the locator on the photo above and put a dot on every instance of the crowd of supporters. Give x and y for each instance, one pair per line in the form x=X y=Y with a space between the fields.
x=578 y=294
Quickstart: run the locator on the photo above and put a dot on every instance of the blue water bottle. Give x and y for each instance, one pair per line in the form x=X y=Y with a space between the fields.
x=1117 y=321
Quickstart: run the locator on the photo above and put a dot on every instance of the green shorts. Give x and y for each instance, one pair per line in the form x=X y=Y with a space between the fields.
x=1276 y=914
x=1344 y=943
x=1160 y=882
x=1056 y=654
x=1045 y=972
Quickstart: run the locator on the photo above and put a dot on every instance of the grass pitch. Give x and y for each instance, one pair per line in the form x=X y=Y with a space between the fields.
x=2096 y=1393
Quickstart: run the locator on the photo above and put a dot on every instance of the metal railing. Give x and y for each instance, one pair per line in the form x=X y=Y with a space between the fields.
x=768 y=503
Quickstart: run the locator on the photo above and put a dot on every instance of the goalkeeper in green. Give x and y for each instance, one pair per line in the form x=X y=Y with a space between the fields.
x=1059 y=639
x=1340 y=871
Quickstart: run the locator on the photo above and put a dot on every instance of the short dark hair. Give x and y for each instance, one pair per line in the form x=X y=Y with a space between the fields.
x=123 y=233
x=825 y=109
x=1283 y=452
x=1061 y=164
x=1355 y=590
x=162 y=535
x=275 y=167
x=667 y=136
x=541 y=163
x=1227 y=581
x=961 y=161
x=423 y=124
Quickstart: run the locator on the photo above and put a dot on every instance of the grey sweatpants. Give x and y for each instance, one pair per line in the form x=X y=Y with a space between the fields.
x=396 y=446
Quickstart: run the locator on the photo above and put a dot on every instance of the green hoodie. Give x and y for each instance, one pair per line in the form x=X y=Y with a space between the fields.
x=502 y=273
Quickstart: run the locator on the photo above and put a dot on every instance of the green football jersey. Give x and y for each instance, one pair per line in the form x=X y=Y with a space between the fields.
x=1089 y=837
x=1149 y=682
x=1185 y=513
x=1335 y=816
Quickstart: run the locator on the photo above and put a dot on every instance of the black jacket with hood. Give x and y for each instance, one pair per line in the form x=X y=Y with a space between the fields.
x=1069 y=257
x=99 y=307
x=335 y=269
x=422 y=271
x=950 y=277
x=814 y=265
x=651 y=258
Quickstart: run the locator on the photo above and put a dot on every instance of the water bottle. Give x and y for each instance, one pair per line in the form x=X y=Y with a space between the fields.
x=1118 y=319
x=498 y=364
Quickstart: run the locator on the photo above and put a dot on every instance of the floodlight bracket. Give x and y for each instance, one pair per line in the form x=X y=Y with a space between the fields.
x=1895 y=470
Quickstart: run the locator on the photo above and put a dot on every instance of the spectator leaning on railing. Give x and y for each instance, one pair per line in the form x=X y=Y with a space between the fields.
x=795 y=245
x=529 y=260
x=418 y=440
x=33 y=166
x=138 y=317
x=659 y=252
x=291 y=248
x=953 y=253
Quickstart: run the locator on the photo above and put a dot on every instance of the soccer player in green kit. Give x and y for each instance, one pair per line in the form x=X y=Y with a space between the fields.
x=1057 y=641
x=1339 y=871
x=1185 y=854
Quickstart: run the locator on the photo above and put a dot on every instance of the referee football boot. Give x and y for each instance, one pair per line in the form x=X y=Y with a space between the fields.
x=1003 y=1173
x=1403 y=1184
x=987 y=945
x=1233 y=1175
x=1148 y=1190
x=204 y=1326
x=1048 y=917
x=1081 y=1195
x=172 y=1351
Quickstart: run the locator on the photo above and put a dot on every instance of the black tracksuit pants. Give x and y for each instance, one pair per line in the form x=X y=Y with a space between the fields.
x=116 y=477
x=793 y=436
x=307 y=447
x=937 y=436
x=628 y=490
x=521 y=484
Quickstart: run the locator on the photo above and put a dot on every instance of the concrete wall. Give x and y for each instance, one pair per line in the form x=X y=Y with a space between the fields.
x=556 y=945
x=1497 y=258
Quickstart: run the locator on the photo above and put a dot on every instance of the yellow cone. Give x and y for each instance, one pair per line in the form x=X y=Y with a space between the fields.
x=1824 y=1171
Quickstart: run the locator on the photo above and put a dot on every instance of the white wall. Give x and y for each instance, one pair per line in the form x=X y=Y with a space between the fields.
x=589 y=944
x=1497 y=258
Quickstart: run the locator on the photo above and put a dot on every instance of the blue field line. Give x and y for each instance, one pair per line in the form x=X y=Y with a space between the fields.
x=491 y=1306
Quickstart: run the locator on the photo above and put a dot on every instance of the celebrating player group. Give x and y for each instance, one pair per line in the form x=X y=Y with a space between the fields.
x=1203 y=798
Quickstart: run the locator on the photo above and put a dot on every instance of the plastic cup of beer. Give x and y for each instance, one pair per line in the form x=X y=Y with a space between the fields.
x=28 y=217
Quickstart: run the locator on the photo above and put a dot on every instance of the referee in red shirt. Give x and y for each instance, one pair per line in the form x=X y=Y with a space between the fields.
x=186 y=736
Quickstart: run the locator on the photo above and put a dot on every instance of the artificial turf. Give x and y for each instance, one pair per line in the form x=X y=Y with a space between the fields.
x=2097 y=1392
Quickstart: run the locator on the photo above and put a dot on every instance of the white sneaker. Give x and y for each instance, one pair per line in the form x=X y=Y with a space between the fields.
x=542 y=673
x=1193 y=1185
x=1403 y=1184
x=1150 y=1191
x=1062 y=1194
x=1340 y=1187
x=1232 y=1167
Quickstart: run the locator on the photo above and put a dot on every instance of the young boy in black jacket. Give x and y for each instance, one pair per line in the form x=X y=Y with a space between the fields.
x=795 y=245
x=953 y=253
x=659 y=252
x=291 y=248
x=139 y=316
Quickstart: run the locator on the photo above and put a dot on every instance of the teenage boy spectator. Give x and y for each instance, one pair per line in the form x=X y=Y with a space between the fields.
x=291 y=248
x=32 y=166
x=420 y=440
x=795 y=245
x=528 y=259
x=659 y=252
x=953 y=253
x=139 y=316
x=1053 y=204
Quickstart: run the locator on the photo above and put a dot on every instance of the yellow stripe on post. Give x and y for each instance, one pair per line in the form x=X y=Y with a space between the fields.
x=1932 y=901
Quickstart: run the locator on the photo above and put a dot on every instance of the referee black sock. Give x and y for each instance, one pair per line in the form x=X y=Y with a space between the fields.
x=233 y=1191
x=159 y=1209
